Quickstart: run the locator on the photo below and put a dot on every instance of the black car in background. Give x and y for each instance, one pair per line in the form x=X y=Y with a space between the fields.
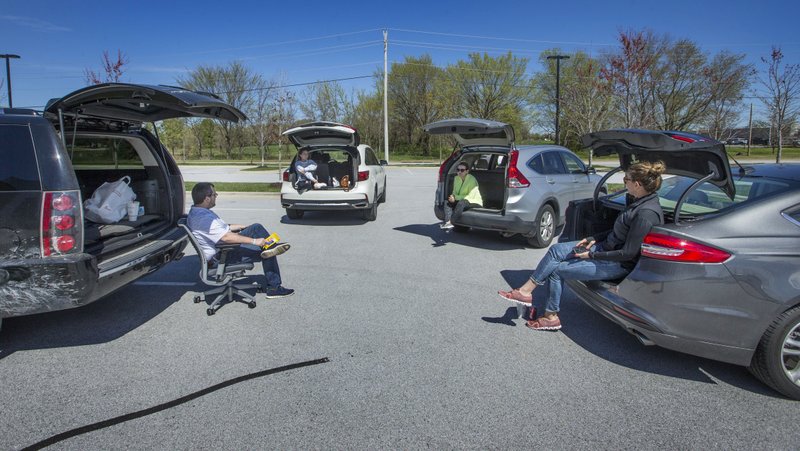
x=721 y=278
x=51 y=258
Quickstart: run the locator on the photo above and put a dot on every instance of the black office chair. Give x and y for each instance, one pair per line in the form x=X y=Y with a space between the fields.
x=222 y=276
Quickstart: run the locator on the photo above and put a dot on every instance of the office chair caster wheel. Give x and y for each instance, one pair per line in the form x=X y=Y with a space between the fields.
x=211 y=311
x=251 y=304
x=197 y=299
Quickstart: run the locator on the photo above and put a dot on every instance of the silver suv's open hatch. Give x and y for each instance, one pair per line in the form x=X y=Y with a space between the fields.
x=474 y=132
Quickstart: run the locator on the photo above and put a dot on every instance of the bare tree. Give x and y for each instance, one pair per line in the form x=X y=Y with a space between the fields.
x=113 y=70
x=326 y=101
x=631 y=74
x=233 y=84
x=681 y=87
x=783 y=89
x=263 y=99
x=728 y=78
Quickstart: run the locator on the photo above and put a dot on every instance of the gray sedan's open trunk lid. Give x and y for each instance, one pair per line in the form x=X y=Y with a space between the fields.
x=683 y=153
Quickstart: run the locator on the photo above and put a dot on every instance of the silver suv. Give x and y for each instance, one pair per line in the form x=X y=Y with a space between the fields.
x=525 y=189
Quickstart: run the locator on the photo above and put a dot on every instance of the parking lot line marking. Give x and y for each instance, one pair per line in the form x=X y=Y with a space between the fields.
x=182 y=284
x=167 y=405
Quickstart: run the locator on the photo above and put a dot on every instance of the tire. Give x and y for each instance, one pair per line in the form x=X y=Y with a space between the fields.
x=545 y=228
x=371 y=213
x=778 y=354
x=383 y=194
x=294 y=213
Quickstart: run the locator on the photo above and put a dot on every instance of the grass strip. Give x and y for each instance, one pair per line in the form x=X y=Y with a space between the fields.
x=240 y=187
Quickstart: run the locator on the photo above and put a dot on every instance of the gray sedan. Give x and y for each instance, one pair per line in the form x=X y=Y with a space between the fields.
x=721 y=279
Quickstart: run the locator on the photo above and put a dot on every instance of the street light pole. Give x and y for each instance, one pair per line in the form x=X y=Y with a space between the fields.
x=558 y=59
x=8 y=56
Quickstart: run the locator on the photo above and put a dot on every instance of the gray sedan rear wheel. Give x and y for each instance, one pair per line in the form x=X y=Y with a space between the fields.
x=545 y=228
x=777 y=358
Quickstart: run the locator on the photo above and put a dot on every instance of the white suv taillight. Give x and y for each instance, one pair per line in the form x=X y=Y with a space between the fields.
x=515 y=177
x=61 y=223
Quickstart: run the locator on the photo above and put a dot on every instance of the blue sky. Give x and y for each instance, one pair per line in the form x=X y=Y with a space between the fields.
x=300 y=42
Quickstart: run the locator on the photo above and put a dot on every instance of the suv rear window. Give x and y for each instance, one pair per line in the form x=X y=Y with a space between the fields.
x=19 y=170
x=95 y=152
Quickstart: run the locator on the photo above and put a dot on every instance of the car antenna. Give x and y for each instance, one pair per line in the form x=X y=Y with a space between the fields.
x=742 y=170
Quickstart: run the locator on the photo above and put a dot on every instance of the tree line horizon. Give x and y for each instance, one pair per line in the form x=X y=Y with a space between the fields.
x=649 y=81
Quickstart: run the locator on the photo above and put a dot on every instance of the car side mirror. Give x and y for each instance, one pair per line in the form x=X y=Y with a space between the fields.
x=591 y=170
x=384 y=163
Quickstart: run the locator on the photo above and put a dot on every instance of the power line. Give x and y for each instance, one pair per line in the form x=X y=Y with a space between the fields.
x=271 y=44
x=294 y=84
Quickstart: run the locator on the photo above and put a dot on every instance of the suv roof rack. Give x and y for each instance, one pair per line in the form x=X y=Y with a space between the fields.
x=21 y=111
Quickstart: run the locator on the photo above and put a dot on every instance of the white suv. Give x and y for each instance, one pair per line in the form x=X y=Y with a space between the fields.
x=336 y=150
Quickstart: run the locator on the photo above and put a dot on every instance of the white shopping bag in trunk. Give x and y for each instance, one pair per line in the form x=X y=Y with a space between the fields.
x=108 y=203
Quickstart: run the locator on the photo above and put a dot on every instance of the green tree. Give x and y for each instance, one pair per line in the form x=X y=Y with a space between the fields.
x=413 y=95
x=586 y=97
x=173 y=134
x=486 y=87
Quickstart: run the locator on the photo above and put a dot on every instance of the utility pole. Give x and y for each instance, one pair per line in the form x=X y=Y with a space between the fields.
x=558 y=59
x=386 y=95
x=9 y=56
x=750 y=128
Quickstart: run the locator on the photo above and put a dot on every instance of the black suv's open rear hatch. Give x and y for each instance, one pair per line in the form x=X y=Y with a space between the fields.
x=142 y=103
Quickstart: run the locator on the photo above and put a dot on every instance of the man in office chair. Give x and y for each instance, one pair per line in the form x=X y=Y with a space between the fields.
x=209 y=229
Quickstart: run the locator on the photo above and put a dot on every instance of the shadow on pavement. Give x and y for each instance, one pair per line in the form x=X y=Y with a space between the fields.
x=603 y=338
x=328 y=218
x=481 y=239
x=101 y=321
x=508 y=317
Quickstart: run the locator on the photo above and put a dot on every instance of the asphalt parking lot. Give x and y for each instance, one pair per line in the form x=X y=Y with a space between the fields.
x=405 y=345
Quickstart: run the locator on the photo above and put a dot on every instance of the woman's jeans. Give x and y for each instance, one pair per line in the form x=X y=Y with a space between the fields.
x=249 y=253
x=455 y=209
x=560 y=263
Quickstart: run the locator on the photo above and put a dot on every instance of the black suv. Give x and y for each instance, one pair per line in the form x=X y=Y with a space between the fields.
x=50 y=257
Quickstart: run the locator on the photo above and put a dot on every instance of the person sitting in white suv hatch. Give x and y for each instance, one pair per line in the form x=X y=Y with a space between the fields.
x=306 y=178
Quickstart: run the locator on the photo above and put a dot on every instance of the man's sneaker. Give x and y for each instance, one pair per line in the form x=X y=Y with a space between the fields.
x=517 y=297
x=275 y=250
x=278 y=292
x=543 y=323
x=447 y=226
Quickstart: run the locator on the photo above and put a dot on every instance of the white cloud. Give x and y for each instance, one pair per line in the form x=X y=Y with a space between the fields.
x=35 y=24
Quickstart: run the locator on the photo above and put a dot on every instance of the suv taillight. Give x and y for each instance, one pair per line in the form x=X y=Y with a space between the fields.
x=363 y=175
x=665 y=247
x=61 y=223
x=286 y=175
x=515 y=177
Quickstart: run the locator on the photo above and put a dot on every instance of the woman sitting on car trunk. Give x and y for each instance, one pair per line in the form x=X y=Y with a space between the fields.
x=612 y=256
x=465 y=195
